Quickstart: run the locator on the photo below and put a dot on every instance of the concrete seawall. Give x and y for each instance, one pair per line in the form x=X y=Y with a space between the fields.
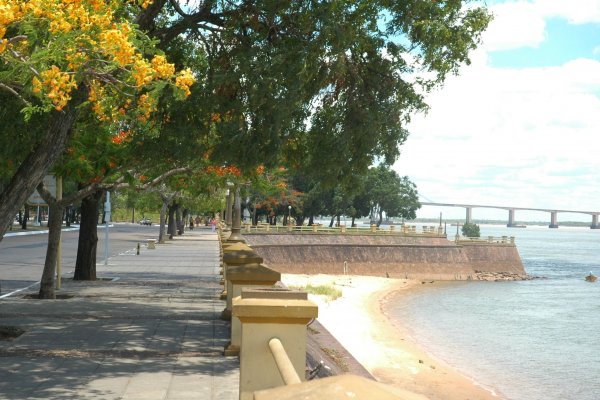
x=393 y=256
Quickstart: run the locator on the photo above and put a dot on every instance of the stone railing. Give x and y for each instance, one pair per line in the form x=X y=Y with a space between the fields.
x=401 y=230
x=268 y=331
x=502 y=240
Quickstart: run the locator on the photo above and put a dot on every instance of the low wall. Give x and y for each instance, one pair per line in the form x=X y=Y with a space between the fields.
x=392 y=256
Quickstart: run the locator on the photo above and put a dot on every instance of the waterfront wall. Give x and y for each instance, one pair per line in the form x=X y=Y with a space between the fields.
x=392 y=256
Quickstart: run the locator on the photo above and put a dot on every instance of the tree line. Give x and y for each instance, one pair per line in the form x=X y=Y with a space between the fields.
x=183 y=98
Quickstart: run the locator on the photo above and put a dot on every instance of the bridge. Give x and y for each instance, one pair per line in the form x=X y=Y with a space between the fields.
x=511 y=212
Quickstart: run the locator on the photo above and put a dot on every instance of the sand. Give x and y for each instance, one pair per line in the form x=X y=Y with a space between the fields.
x=385 y=349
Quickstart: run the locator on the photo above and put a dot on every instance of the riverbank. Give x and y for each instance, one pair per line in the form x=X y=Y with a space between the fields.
x=385 y=349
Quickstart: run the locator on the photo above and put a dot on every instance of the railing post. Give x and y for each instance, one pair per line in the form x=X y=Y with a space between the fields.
x=266 y=314
x=373 y=228
x=241 y=277
x=235 y=254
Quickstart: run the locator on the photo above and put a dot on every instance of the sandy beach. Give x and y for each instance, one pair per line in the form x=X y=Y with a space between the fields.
x=385 y=349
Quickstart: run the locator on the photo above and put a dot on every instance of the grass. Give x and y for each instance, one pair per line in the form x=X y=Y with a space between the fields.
x=328 y=291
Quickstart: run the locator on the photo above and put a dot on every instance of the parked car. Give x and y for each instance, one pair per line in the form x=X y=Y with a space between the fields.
x=145 y=221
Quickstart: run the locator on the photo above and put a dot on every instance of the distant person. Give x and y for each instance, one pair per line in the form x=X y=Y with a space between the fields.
x=198 y=221
x=191 y=224
x=213 y=224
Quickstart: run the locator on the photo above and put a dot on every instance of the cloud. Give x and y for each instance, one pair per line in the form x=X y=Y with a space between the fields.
x=574 y=11
x=514 y=137
x=515 y=25
x=518 y=24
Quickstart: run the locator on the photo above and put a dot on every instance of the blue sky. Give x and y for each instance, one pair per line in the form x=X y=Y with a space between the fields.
x=520 y=126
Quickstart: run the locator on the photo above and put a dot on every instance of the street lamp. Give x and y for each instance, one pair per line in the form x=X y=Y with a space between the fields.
x=289 y=215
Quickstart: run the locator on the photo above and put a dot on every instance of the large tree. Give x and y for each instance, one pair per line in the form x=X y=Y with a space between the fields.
x=57 y=59
x=326 y=84
x=391 y=194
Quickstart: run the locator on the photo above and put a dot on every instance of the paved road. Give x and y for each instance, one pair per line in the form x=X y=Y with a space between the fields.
x=154 y=334
x=22 y=257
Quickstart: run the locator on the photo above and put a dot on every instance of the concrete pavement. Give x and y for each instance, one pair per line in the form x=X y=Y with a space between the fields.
x=150 y=330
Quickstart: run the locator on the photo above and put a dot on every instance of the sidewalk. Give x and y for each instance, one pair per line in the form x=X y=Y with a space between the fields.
x=153 y=333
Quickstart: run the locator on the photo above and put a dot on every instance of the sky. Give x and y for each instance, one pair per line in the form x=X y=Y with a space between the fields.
x=520 y=126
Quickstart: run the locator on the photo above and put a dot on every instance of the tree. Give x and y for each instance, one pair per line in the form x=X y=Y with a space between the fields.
x=396 y=196
x=59 y=58
x=286 y=82
x=471 y=230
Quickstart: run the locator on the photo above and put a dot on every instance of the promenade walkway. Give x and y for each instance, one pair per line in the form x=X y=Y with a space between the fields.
x=153 y=333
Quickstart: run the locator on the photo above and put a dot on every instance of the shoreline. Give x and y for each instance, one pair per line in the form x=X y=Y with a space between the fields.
x=385 y=348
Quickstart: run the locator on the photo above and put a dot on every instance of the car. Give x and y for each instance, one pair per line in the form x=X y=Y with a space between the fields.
x=145 y=221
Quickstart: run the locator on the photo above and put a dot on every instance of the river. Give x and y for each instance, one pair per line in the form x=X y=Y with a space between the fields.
x=526 y=340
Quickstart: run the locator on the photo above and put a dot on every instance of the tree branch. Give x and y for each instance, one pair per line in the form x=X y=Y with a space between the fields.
x=13 y=91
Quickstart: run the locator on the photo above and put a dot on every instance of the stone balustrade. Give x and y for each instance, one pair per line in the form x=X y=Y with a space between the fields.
x=269 y=334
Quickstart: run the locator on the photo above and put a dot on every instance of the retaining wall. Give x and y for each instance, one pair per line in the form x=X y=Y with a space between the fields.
x=394 y=256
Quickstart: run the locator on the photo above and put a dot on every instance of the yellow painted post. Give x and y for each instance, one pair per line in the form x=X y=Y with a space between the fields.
x=266 y=314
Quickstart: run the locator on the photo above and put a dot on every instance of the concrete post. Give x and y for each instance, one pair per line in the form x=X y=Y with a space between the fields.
x=235 y=254
x=314 y=228
x=228 y=216
x=553 y=220
x=242 y=277
x=373 y=228
x=594 y=222
x=236 y=223
x=336 y=388
x=511 y=218
x=264 y=315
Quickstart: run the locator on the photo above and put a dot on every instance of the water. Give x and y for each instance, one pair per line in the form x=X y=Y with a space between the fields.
x=529 y=340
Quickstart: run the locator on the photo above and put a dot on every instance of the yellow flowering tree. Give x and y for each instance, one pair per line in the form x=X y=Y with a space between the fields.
x=60 y=59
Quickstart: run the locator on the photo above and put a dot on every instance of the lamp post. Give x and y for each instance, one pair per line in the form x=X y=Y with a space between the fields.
x=235 y=224
x=228 y=214
x=289 y=215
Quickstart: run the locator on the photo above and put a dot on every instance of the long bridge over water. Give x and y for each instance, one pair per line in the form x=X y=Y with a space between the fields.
x=511 y=212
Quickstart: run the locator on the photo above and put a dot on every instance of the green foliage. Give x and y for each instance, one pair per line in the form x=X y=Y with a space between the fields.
x=396 y=196
x=471 y=230
x=328 y=291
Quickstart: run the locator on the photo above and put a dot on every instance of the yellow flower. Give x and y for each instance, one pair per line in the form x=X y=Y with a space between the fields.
x=141 y=72
x=162 y=68
x=56 y=86
x=184 y=80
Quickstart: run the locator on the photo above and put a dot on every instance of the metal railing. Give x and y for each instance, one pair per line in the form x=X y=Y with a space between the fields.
x=284 y=364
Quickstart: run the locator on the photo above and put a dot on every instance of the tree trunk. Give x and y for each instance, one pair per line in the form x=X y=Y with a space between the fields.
x=133 y=215
x=179 y=221
x=54 y=232
x=32 y=170
x=353 y=224
x=25 y=218
x=171 y=226
x=163 y=217
x=85 y=266
x=338 y=221
x=331 y=222
x=380 y=217
x=311 y=221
